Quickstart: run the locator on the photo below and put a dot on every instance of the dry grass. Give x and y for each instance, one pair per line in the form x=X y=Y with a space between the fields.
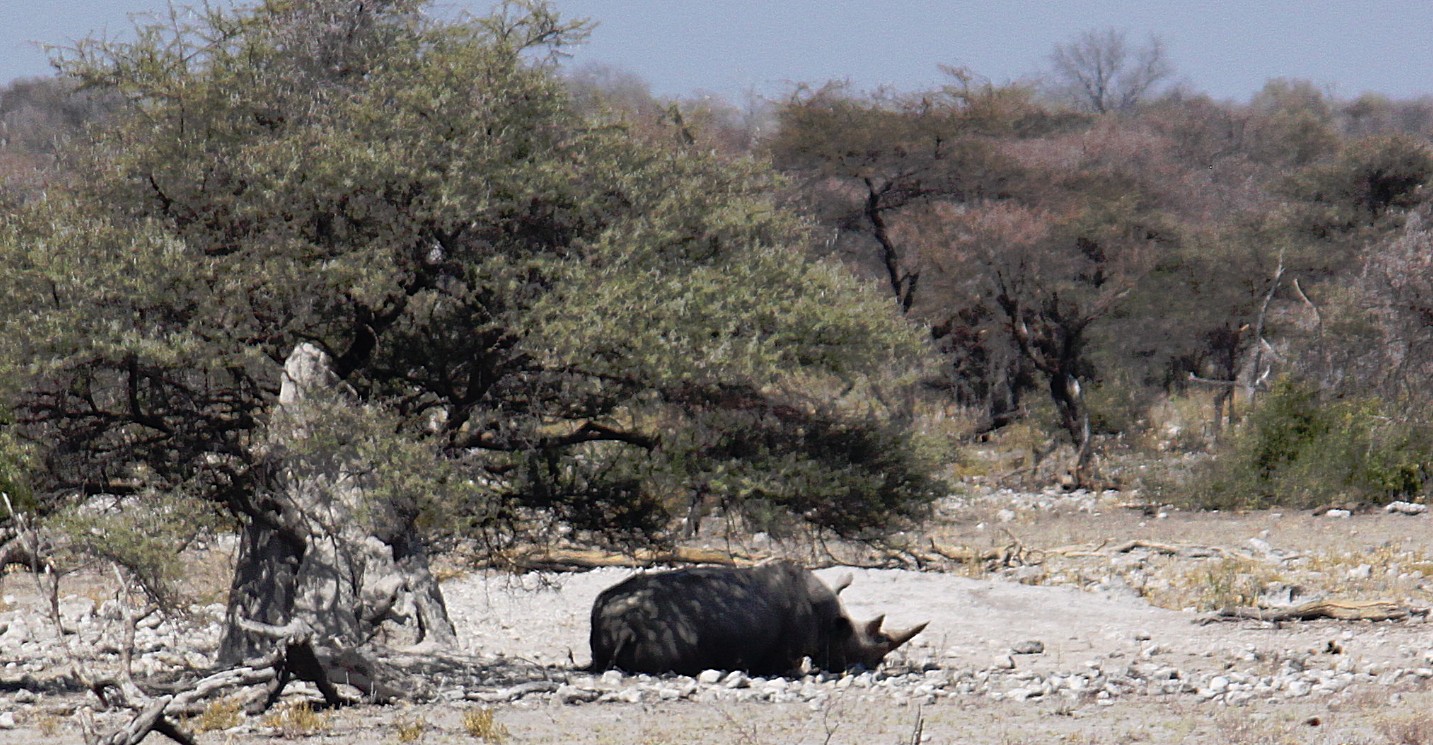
x=409 y=730
x=220 y=714
x=480 y=724
x=48 y=725
x=297 y=719
x=1217 y=583
x=1408 y=729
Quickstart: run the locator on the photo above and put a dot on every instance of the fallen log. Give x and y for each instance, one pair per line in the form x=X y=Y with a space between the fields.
x=1339 y=610
x=1011 y=555
x=514 y=692
x=1169 y=549
x=573 y=559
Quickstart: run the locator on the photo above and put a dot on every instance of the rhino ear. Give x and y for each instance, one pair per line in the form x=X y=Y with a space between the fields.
x=873 y=626
x=901 y=637
x=842 y=582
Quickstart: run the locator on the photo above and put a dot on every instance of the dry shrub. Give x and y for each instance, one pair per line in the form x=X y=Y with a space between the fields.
x=1407 y=730
x=297 y=719
x=220 y=714
x=410 y=730
x=480 y=724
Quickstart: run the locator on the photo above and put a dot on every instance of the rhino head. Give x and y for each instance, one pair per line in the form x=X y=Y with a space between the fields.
x=865 y=643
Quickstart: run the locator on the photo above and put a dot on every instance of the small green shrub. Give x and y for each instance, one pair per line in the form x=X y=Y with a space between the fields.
x=145 y=535
x=1299 y=450
x=1117 y=407
x=15 y=465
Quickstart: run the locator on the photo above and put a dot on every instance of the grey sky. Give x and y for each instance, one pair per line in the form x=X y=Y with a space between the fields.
x=1227 y=48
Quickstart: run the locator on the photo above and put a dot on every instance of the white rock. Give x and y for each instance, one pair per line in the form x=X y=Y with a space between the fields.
x=1338 y=513
x=7 y=720
x=17 y=633
x=709 y=677
x=630 y=695
x=1032 y=646
x=1405 y=508
x=735 y=679
x=1238 y=698
x=569 y=695
x=1021 y=694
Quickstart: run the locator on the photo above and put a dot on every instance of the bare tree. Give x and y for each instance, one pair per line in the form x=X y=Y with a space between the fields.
x=1100 y=71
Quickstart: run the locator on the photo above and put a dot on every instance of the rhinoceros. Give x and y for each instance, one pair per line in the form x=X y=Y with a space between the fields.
x=763 y=620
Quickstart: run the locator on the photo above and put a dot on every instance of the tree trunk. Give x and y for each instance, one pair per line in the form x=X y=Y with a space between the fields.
x=1075 y=419
x=317 y=547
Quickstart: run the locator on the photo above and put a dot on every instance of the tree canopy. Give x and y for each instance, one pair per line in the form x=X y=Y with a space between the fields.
x=589 y=324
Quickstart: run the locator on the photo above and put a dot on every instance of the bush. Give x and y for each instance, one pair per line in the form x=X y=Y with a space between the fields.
x=1298 y=450
x=15 y=465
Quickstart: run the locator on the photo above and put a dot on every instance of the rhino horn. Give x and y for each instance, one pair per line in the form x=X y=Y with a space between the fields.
x=901 y=637
x=873 y=626
x=842 y=582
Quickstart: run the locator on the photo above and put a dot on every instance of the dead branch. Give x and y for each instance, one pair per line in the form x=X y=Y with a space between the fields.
x=26 y=546
x=1339 y=610
x=1186 y=551
x=140 y=727
x=917 y=729
x=515 y=692
x=1210 y=381
x=293 y=657
x=1013 y=554
x=1256 y=376
x=293 y=632
x=158 y=714
x=1079 y=551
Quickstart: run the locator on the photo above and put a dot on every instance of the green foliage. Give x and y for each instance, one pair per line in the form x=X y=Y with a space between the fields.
x=1369 y=178
x=145 y=535
x=1291 y=124
x=534 y=306
x=846 y=476
x=15 y=467
x=1299 y=450
x=1116 y=406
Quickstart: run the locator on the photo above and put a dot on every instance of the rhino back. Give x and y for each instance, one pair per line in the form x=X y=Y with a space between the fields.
x=760 y=620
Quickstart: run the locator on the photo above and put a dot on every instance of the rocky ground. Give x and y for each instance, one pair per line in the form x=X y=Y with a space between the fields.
x=1054 y=618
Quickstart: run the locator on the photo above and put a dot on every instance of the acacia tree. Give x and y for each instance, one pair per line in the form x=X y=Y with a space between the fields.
x=875 y=169
x=527 y=317
x=867 y=162
x=1050 y=277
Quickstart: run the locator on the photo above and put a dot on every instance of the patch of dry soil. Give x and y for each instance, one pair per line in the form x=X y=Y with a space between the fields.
x=1001 y=662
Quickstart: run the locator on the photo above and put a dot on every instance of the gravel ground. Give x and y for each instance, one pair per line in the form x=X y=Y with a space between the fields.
x=1001 y=662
